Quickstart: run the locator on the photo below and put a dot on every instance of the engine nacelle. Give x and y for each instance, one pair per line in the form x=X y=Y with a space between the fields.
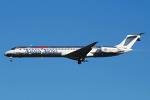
x=109 y=49
x=113 y=50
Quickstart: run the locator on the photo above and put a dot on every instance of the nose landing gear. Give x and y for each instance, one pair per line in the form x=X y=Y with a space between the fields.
x=11 y=59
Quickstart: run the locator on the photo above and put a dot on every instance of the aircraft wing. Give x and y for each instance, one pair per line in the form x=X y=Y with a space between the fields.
x=81 y=53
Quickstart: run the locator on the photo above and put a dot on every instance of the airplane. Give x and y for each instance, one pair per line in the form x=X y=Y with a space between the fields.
x=78 y=53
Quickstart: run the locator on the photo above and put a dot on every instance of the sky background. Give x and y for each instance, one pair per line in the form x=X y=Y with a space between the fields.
x=74 y=23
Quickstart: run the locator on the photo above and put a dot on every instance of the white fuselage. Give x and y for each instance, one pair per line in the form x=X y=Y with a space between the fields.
x=45 y=51
x=58 y=51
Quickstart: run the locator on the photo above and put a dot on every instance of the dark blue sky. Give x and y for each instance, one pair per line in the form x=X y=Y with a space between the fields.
x=74 y=23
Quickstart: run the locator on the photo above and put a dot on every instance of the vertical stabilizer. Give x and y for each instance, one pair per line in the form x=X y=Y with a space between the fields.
x=129 y=41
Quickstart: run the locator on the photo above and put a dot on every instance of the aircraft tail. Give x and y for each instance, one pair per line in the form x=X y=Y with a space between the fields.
x=129 y=41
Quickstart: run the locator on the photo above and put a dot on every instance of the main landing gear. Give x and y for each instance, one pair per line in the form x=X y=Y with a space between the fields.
x=79 y=61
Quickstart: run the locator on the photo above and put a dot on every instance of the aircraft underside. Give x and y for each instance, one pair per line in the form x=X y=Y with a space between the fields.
x=80 y=59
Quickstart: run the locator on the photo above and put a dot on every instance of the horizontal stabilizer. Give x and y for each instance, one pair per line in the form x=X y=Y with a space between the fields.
x=141 y=33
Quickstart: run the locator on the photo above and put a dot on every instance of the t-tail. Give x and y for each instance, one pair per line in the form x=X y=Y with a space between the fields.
x=127 y=43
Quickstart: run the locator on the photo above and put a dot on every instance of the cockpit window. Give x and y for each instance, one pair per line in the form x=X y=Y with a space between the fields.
x=13 y=48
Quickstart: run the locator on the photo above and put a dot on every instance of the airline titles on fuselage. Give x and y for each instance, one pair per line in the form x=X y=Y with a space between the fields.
x=39 y=51
x=46 y=50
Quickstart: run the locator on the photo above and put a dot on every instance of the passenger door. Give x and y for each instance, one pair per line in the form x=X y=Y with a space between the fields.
x=17 y=50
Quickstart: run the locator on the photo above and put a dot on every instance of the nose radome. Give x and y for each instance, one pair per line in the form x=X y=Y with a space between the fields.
x=5 y=53
x=9 y=53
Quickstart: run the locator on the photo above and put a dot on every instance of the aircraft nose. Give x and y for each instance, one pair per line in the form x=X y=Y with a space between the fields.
x=5 y=54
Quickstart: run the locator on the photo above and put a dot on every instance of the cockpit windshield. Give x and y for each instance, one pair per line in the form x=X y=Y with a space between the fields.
x=13 y=48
